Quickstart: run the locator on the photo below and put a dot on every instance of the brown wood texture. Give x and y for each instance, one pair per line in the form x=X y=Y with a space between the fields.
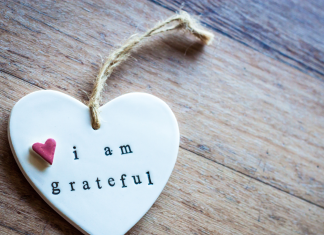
x=289 y=31
x=250 y=107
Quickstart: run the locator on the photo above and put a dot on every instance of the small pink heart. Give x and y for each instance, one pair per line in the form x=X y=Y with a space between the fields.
x=46 y=151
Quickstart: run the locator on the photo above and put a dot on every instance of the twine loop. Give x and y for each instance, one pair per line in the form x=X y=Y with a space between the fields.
x=181 y=21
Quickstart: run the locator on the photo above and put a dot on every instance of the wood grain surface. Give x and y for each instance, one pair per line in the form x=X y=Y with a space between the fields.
x=250 y=107
x=289 y=31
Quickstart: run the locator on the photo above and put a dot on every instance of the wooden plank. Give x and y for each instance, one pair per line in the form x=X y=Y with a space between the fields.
x=289 y=31
x=239 y=112
x=201 y=197
x=214 y=200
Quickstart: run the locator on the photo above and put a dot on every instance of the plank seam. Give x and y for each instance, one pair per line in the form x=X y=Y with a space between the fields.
x=20 y=78
x=13 y=229
x=251 y=177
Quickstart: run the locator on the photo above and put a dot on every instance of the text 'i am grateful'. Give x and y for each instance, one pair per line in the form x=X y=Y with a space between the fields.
x=99 y=183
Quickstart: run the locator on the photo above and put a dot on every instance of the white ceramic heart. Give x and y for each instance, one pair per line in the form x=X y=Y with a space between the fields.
x=139 y=120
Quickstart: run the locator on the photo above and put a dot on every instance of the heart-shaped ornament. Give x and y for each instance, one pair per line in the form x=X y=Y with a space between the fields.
x=102 y=181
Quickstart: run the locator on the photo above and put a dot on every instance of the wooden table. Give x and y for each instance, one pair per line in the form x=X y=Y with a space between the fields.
x=250 y=107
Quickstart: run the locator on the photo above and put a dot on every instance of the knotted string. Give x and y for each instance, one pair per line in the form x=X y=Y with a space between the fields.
x=180 y=21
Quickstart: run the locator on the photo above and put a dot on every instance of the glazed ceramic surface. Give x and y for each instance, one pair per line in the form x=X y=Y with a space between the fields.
x=102 y=181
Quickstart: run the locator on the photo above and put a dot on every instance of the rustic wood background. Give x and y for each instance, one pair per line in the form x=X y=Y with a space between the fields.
x=250 y=107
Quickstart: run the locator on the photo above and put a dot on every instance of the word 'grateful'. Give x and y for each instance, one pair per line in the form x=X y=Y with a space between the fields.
x=111 y=182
